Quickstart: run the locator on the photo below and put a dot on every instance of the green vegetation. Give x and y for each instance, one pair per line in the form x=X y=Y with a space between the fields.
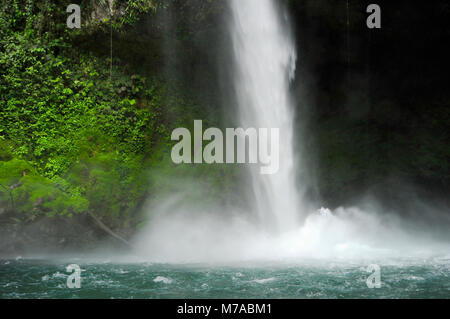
x=84 y=128
x=75 y=134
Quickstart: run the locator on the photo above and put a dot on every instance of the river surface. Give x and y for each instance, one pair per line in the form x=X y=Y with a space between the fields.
x=400 y=278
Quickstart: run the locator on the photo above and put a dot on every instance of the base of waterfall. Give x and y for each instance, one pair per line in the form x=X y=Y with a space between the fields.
x=193 y=254
x=342 y=234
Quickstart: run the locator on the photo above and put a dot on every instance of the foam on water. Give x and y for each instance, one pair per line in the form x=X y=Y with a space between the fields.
x=350 y=234
x=163 y=280
x=425 y=278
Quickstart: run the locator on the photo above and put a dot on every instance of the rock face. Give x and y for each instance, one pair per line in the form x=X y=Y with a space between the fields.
x=49 y=235
x=102 y=10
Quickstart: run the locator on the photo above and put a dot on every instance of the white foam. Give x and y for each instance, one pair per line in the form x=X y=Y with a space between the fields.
x=264 y=281
x=162 y=279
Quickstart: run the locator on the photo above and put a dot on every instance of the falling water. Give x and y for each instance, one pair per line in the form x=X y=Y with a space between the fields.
x=264 y=64
x=264 y=60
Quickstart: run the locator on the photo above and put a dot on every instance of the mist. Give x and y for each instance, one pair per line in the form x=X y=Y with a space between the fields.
x=281 y=222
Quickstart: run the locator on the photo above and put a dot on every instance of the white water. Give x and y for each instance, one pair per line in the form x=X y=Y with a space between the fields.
x=264 y=64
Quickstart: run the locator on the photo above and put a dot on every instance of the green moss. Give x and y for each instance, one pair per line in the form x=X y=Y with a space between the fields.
x=30 y=194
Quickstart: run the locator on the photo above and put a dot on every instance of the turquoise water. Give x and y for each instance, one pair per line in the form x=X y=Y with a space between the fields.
x=403 y=278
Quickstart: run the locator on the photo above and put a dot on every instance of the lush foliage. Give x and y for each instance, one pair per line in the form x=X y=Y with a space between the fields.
x=77 y=134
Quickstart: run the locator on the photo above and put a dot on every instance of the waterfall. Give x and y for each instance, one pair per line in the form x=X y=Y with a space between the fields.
x=264 y=60
x=263 y=65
